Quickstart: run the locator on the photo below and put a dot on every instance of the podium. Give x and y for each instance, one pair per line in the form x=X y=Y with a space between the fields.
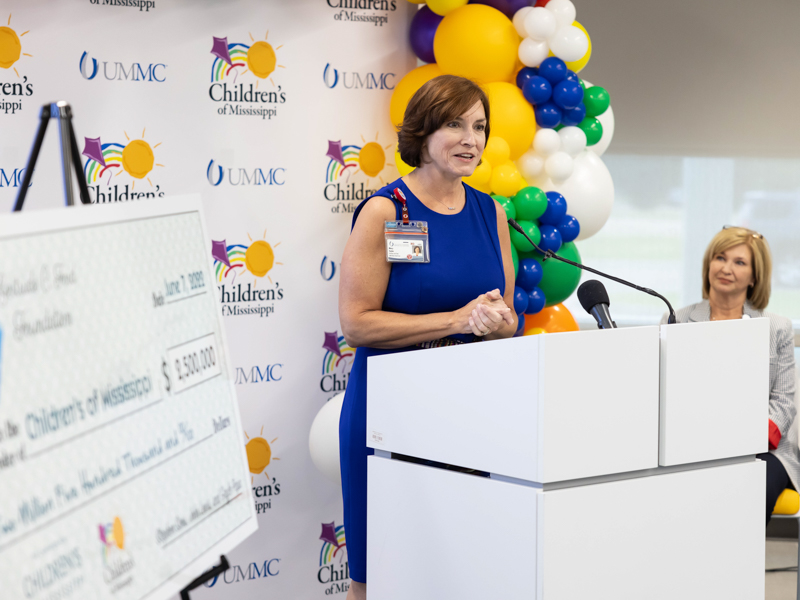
x=595 y=464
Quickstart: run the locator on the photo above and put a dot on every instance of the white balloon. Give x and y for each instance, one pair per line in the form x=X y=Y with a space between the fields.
x=607 y=121
x=540 y=24
x=563 y=10
x=569 y=43
x=559 y=167
x=532 y=53
x=530 y=164
x=519 y=20
x=323 y=439
x=589 y=192
x=546 y=141
x=573 y=140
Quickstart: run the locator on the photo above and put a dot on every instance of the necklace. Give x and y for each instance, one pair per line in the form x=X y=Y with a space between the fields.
x=445 y=205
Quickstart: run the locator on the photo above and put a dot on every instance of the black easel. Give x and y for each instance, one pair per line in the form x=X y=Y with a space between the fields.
x=210 y=574
x=70 y=156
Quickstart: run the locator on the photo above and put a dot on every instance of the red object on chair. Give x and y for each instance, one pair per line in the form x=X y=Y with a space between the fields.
x=774 y=435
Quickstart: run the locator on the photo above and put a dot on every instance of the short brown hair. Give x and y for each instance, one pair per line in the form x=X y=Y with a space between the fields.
x=759 y=293
x=439 y=101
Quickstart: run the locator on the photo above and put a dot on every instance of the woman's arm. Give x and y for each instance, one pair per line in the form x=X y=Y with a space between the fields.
x=782 y=410
x=507 y=329
x=364 y=279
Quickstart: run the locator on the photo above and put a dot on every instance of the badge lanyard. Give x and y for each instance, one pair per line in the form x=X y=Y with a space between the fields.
x=406 y=240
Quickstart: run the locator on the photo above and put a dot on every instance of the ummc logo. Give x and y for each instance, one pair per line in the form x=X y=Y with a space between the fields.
x=240 y=176
x=9 y=178
x=357 y=81
x=237 y=574
x=256 y=375
x=117 y=71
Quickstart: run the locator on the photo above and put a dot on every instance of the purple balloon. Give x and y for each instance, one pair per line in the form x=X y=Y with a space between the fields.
x=421 y=33
x=507 y=7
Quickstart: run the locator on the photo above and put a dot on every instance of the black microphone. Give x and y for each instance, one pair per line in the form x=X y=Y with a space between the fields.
x=550 y=254
x=594 y=299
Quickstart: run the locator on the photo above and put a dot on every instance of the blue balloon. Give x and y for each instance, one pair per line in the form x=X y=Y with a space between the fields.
x=530 y=274
x=573 y=116
x=553 y=69
x=567 y=94
x=569 y=228
x=536 y=301
x=556 y=209
x=421 y=33
x=520 y=326
x=551 y=238
x=524 y=74
x=537 y=90
x=572 y=76
x=548 y=115
x=520 y=300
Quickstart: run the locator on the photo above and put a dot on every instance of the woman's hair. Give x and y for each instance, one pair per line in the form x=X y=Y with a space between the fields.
x=759 y=292
x=439 y=101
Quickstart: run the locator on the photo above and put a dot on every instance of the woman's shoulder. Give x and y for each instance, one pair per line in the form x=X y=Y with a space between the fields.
x=479 y=196
x=379 y=205
x=693 y=312
x=779 y=323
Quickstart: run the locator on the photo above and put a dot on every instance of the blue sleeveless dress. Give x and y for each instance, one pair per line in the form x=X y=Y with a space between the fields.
x=465 y=262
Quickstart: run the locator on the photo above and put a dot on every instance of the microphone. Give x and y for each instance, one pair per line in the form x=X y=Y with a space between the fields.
x=594 y=299
x=550 y=254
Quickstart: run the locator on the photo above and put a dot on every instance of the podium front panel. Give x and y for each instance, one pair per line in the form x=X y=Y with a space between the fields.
x=714 y=390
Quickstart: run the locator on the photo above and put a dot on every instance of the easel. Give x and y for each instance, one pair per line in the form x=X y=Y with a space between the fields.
x=70 y=158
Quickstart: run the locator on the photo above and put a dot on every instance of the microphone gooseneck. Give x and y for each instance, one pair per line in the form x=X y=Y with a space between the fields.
x=550 y=254
x=594 y=299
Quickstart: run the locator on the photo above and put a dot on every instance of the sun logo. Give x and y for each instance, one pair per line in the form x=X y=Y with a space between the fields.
x=259 y=454
x=259 y=58
x=136 y=158
x=370 y=159
x=258 y=258
x=10 y=47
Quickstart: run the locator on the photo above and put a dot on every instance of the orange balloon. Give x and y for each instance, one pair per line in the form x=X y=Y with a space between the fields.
x=552 y=319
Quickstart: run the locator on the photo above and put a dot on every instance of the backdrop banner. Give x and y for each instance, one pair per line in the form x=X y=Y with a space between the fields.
x=277 y=114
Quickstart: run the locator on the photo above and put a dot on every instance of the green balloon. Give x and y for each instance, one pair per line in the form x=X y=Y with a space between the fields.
x=519 y=241
x=530 y=202
x=559 y=279
x=515 y=258
x=508 y=206
x=593 y=130
x=596 y=100
x=583 y=85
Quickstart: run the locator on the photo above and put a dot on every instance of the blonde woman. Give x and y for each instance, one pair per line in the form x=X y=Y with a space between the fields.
x=737 y=270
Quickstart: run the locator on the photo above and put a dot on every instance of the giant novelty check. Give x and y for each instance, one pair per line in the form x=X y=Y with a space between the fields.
x=122 y=465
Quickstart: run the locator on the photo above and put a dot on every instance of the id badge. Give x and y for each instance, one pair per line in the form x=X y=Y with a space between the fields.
x=407 y=242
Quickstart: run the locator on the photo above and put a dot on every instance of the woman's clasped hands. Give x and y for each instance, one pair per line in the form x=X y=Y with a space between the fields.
x=485 y=315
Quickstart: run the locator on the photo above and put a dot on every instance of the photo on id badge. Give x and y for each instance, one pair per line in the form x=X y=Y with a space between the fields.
x=416 y=253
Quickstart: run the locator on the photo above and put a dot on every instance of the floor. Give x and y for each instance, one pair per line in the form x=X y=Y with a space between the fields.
x=781 y=552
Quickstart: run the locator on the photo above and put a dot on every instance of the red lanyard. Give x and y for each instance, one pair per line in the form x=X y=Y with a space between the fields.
x=400 y=197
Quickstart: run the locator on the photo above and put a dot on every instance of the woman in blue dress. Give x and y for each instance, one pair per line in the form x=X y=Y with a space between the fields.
x=463 y=294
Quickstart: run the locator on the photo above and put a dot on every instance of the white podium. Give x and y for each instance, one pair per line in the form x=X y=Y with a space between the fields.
x=593 y=477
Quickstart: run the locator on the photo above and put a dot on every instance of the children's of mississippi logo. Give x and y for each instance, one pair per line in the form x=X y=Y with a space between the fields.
x=371 y=12
x=259 y=457
x=336 y=363
x=117 y=562
x=350 y=173
x=333 y=566
x=240 y=271
x=237 y=74
x=106 y=162
x=11 y=93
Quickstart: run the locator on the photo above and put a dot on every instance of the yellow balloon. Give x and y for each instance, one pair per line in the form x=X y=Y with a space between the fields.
x=442 y=7
x=480 y=177
x=478 y=42
x=577 y=65
x=418 y=1
x=497 y=151
x=407 y=87
x=534 y=331
x=505 y=179
x=512 y=116
x=402 y=167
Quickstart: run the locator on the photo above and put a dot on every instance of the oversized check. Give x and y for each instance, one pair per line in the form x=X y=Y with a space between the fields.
x=122 y=465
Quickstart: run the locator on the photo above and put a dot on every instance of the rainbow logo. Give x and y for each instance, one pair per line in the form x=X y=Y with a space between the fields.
x=112 y=536
x=347 y=160
x=258 y=258
x=234 y=59
x=136 y=158
x=332 y=541
x=337 y=353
